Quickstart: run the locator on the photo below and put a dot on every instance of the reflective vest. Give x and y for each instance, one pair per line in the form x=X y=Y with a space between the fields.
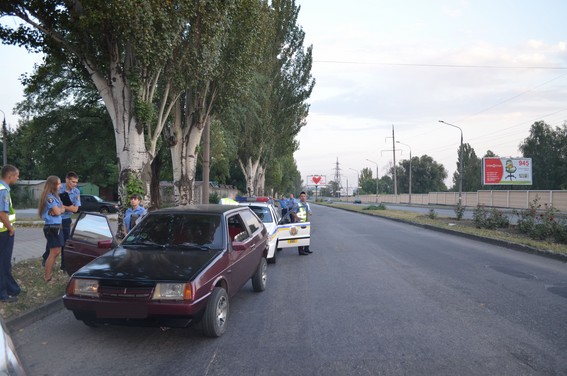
x=228 y=201
x=11 y=215
x=302 y=212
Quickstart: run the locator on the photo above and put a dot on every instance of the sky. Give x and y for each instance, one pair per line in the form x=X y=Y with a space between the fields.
x=492 y=68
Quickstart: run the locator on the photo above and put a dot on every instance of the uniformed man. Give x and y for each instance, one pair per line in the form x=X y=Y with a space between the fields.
x=301 y=213
x=71 y=199
x=229 y=200
x=9 y=289
x=134 y=212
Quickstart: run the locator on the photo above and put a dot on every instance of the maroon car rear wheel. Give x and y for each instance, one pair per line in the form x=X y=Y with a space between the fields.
x=216 y=314
x=260 y=277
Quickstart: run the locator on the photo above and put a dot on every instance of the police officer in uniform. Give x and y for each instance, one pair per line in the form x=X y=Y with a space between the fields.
x=50 y=210
x=71 y=198
x=134 y=212
x=228 y=200
x=301 y=213
x=9 y=289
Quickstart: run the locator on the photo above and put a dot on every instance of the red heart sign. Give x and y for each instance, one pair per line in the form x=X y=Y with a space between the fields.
x=316 y=179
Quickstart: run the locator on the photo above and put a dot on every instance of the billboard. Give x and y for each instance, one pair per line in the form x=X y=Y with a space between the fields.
x=506 y=171
x=316 y=180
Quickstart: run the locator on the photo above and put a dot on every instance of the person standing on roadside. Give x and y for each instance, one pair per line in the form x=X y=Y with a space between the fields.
x=50 y=210
x=301 y=213
x=71 y=198
x=9 y=289
x=134 y=212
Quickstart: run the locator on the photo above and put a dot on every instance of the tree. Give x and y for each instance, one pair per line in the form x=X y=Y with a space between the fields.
x=367 y=183
x=546 y=147
x=472 y=170
x=428 y=175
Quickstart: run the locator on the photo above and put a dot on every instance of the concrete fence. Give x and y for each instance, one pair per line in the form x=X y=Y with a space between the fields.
x=500 y=199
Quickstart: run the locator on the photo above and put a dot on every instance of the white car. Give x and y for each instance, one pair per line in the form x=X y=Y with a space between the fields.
x=282 y=233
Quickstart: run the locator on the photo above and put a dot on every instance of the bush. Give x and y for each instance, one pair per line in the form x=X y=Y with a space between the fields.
x=214 y=198
x=540 y=223
x=459 y=211
x=432 y=214
x=375 y=207
x=490 y=219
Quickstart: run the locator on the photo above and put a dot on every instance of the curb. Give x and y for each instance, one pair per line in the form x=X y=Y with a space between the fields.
x=502 y=243
x=34 y=315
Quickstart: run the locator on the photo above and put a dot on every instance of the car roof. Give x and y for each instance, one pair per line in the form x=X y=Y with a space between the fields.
x=265 y=204
x=201 y=209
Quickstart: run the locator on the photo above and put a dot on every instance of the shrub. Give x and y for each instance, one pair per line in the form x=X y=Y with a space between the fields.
x=459 y=211
x=540 y=223
x=489 y=219
x=214 y=198
x=432 y=214
x=380 y=206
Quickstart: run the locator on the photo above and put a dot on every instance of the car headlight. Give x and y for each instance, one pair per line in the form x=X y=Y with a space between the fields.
x=172 y=291
x=83 y=287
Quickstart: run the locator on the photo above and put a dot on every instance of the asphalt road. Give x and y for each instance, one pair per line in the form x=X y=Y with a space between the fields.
x=376 y=298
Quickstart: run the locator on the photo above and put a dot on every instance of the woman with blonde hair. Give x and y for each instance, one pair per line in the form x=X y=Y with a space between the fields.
x=50 y=210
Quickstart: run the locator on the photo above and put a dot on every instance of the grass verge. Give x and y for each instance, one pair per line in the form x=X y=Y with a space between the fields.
x=35 y=291
x=511 y=234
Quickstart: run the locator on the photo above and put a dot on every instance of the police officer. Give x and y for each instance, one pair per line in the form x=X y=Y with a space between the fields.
x=301 y=213
x=9 y=289
x=134 y=212
x=71 y=199
x=228 y=200
x=50 y=210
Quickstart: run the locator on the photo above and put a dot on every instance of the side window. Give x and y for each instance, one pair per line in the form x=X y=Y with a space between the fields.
x=251 y=221
x=237 y=229
x=92 y=228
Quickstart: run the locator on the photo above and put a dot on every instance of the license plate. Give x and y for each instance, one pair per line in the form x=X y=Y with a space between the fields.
x=122 y=311
x=291 y=241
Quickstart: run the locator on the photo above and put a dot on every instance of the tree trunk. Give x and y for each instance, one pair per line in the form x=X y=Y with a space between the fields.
x=133 y=159
x=155 y=193
x=250 y=171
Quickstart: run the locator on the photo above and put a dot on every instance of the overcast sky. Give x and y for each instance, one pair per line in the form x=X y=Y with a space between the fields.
x=477 y=64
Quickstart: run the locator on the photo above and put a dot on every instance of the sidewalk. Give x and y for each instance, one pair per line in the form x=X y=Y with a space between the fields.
x=29 y=243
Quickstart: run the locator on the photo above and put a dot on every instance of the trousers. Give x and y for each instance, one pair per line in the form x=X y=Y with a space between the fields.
x=8 y=285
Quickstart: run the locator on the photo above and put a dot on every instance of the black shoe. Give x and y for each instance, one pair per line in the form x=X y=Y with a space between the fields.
x=43 y=262
x=308 y=250
x=303 y=253
x=9 y=299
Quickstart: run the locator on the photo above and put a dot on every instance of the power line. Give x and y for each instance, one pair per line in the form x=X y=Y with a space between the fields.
x=439 y=65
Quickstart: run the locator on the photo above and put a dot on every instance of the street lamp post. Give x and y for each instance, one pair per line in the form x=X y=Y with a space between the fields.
x=376 y=163
x=357 y=180
x=401 y=143
x=460 y=161
x=4 y=141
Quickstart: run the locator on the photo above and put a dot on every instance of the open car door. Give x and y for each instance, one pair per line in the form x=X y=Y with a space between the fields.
x=292 y=234
x=90 y=238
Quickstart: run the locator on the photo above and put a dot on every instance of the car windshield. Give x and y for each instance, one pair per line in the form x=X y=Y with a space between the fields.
x=98 y=198
x=184 y=231
x=263 y=212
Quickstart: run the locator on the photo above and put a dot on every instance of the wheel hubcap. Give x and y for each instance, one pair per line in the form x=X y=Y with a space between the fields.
x=222 y=311
x=264 y=273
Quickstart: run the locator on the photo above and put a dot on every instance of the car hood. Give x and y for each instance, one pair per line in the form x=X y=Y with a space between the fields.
x=148 y=264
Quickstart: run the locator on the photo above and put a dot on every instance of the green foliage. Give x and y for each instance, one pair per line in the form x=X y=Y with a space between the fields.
x=134 y=185
x=214 y=198
x=547 y=147
x=432 y=214
x=472 y=170
x=459 y=211
x=427 y=175
x=380 y=206
x=490 y=219
x=541 y=223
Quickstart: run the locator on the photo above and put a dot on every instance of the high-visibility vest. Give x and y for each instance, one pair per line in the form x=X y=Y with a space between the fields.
x=302 y=212
x=11 y=214
x=228 y=201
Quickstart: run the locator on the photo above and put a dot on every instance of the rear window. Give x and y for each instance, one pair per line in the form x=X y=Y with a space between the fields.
x=178 y=230
x=263 y=212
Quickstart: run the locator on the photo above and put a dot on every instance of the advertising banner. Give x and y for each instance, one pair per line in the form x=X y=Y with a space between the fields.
x=506 y=171
x=316 y=180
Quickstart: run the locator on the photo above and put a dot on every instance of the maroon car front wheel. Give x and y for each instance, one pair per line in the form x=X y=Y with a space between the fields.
x=216 y=314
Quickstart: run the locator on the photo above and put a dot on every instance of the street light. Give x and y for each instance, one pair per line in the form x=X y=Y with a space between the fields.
x=376 y=178
x=401 y=143
x=4 y=141
x=357 y=179
x=460 y=161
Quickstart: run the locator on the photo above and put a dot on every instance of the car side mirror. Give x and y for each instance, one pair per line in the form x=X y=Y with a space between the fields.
x=238 y=246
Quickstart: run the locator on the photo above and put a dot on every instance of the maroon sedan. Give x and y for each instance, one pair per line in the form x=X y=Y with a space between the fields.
x=176 y=267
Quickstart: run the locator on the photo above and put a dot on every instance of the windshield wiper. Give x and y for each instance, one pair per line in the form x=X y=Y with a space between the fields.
x=145 y=243
x=201 y=247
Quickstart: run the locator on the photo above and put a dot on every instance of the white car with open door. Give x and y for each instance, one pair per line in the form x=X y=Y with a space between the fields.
x=283 y=233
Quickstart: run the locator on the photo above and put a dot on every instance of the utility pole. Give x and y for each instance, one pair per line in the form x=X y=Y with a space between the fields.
x=394 y=154
x=460 y=161
x=338 y=177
